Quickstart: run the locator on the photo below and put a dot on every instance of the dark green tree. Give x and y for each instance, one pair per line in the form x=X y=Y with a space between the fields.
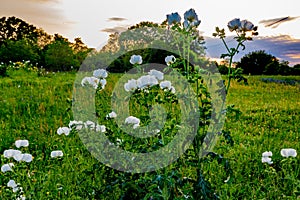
x=22 y=49
x=14 y=29
x=59 y=56
x=258 y=62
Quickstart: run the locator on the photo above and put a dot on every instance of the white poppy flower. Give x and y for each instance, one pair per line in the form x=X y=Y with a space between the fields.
x=27 y=157
x=89 y=124
x=131 y=85
x=159 y=75
x=55 y=154
x=267 y=154
x=246 y=26
x=133 y=120
x=267 y=160
x=22 y=143
x=11 y=153
x=146 y=81
x=93 y=81
x=7 y=167
x=190 y=19
x=234 y=24
x=190 y=15
x=173 y=18
x=112 y=115
x=103 y=83
x=18 y=157
x=100 y=73
x=165 y=85
x=100 y=128
x=136 y=59
x=76 y=124
x=63 y=130
x=170 y=60
x=288 y=152
x=12 y=184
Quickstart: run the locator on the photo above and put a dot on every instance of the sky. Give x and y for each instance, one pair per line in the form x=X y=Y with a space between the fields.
x=93 y=20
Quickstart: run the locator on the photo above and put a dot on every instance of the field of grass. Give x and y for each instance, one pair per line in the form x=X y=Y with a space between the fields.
x=33 y=107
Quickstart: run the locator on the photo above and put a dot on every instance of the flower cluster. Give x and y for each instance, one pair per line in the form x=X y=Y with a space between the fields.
x=242 y=26
x=18 y=156
x=266 y=156
x=153 y=78
x=190 y=19
x=98 y=77
x=78 y=125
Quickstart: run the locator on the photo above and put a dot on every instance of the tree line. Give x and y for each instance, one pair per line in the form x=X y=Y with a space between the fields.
x=262 y=63
x=20 y=41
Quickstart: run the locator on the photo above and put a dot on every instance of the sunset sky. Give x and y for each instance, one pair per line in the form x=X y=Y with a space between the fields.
x=92 y=20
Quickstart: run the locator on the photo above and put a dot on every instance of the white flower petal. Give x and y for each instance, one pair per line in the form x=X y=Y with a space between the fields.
x=146 y=81
x=266 y=160
x=157 y=74
x=27 y=157
x=170 y=60
x=267 y=154
x=288 y=152
x=22 y=143
x=100 y=73
x=12 y=184
x=63 y=130
x=131 y=85
x=112 y=115
x=7 y=167
x=57 y=153
x=100 y=128
x=136 y=59
x=10 y=153
x=90 y=125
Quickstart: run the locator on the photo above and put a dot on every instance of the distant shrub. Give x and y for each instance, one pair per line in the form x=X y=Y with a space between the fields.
x=223 y=69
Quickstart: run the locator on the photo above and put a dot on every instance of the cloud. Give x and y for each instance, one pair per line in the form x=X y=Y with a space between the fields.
x=117 y=19
x=284 y=47
x=115 y=29
x=274 y=23
x=45 y=14
x=44 y=1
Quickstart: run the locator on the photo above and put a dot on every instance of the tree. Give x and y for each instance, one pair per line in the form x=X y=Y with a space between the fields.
x=23 y=49
x=258 y=62
x=13 y=28
x=59 y=56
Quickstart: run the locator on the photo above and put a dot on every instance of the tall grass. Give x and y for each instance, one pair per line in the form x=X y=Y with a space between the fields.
x=33 y=107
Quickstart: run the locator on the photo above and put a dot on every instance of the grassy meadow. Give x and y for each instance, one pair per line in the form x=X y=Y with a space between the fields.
x=33 y=107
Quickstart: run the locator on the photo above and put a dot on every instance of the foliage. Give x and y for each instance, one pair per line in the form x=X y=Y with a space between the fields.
x=3 y=69
x=21 y=41
x=33 y=107
x=260 y=62
x=19 y=50
x=15 y=29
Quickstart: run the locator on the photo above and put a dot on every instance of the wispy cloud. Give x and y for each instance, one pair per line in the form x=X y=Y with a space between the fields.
x=45 y=14
x=116 y=19
x=116 y=29
x=274 y=23
x=284 y=47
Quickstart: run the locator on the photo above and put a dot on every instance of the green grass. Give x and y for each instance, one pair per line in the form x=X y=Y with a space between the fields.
x=33 y=107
